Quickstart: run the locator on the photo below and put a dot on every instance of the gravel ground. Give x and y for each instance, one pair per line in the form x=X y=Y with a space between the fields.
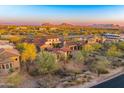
x=101 y=79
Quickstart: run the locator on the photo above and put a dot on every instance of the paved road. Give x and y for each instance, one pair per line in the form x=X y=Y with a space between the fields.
x=117 y=82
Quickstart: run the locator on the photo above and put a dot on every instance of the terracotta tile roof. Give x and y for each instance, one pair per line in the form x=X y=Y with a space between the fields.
x=39 y=40
x=5 y=54
x=4 y=61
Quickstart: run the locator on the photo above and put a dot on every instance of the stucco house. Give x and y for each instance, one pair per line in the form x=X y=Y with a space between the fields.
x=9 y=60
x=47 y=42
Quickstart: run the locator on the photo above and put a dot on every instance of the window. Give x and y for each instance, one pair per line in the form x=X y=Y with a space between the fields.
x=3 y=66
x=11 y=65
x=7 y=66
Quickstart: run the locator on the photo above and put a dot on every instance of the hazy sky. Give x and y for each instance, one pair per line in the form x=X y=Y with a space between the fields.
x=85 y=14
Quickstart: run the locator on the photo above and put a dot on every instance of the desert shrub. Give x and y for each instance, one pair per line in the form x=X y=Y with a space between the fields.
x=78 y=56
x=101 y=66
x=34 y=72
x=11 y=70
x=73 y=69
x=14 y=79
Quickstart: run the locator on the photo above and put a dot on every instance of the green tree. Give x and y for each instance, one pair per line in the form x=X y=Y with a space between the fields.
x=47 y=62
x=121 y=45
x=87 y=49
x=113 y=51
x=15 y=39
x=28 y=53
x=2 y=32
x=97 y=46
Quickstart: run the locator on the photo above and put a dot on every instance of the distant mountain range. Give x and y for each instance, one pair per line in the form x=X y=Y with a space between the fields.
x=63 y=24
x=105 y=26
x=71 y=25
